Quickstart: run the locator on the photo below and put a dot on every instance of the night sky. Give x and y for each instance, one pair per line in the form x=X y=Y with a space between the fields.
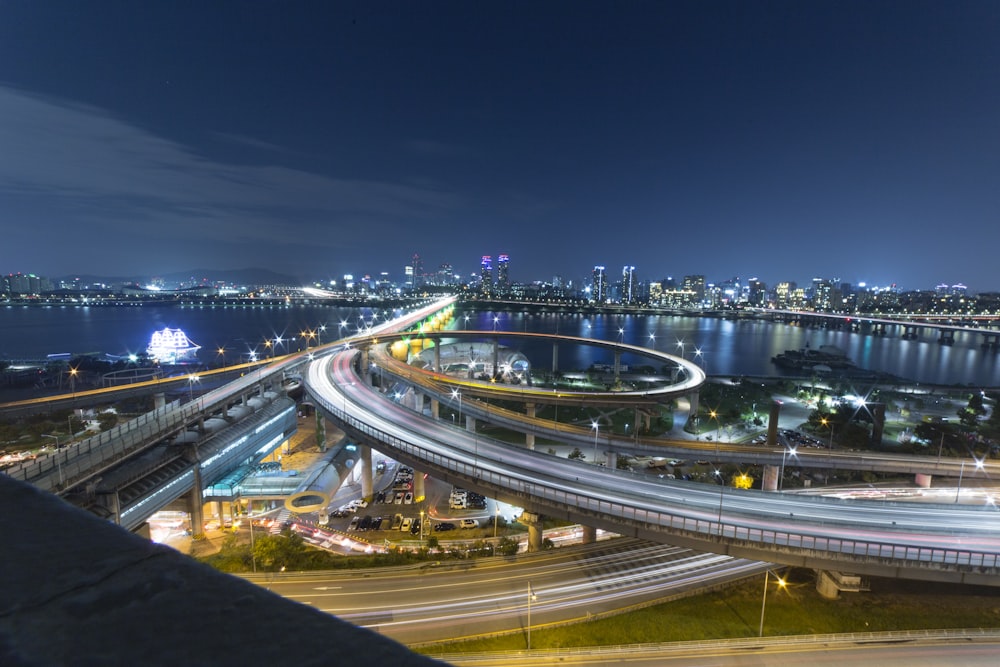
x=857 y=141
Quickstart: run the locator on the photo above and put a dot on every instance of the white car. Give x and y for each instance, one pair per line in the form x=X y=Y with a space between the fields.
x=408 y=499
x=407 y=524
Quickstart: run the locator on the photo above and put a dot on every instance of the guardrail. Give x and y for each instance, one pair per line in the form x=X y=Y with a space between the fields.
x=81 y=460
x=835 y=550
x=623 y=651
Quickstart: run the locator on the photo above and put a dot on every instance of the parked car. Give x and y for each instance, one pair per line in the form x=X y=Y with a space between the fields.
x=469 y=523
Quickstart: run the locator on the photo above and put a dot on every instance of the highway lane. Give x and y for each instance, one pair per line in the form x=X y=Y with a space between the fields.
x=772 y=517
x=456 y=599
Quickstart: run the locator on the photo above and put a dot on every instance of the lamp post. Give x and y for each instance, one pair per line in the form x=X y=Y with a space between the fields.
x=496 y=520
x=597 y=429
x=222 y=354
x=531 y=596
x=455 y=393
x=421 y=525
x=58 y=462
x=72 y=381
x=958 y=491
x=781 y=475
x=192 y=378
x=253 y=556
x=763 y=604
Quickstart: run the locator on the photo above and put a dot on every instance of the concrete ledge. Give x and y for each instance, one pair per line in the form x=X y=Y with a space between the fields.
x=78 y=590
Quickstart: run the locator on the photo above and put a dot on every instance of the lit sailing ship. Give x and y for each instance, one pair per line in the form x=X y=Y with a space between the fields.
x=172 y=346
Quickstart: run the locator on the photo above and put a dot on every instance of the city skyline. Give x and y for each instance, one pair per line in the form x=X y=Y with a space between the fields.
x=772 y=140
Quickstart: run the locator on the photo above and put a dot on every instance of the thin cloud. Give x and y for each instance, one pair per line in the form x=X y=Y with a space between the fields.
x=115 y=174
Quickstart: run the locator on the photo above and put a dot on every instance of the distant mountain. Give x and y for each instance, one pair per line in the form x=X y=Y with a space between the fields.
x=236 y=276
x=252 y=276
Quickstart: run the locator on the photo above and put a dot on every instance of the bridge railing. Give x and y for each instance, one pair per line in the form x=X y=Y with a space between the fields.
x=850 y=550
x=80 y=460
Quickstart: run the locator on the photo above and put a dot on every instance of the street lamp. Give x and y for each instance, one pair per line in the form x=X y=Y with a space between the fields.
x=421 y=525
x=496 y=520
x=781 y=584
x=253 y=556
x=58 y=462
x=597 y=429
x=531 y=596
x=222 y=353
x=455 y=393
x=958 y=491
x=192 y=378
x=781 y=475
x=495 y=320
x=72 y=381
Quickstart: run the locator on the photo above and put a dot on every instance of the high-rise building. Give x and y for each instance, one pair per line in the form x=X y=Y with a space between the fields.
x=486 y=275
x=599 y=285
x=783 y=292
x=418 y=270
x=503 y=277
x=756 y=292
x=629 y=295
x=695 y=285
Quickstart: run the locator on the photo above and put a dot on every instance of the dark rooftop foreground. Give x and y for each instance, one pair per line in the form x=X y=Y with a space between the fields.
x=76 y=590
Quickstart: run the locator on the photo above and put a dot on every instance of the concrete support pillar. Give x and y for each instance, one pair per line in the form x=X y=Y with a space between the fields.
x=496 y=357
x=923 y=480
x=555 y=357
x=220 y=510
x=529 y=438
x=693 y=400
x=878 y=422
x=435 y=408
x=437 y=357
x=772 y=425
x=196 y=502
x=419 y=490
x=770 y=481
x=470 y=423
x=159 y=400
x=589 y=534
x=366 y=472
x=534 y=524
x=612 y=460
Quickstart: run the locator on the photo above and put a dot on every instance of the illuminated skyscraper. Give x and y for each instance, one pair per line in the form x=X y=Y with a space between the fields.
x=599 y=285
x=503 y=278
x=486 y=275
x=628 y=285
x=418 y=270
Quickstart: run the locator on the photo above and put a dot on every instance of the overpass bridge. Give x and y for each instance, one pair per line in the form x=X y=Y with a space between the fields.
x=942 y=543
x=446 y=388
x=178 y=449
x=946 y=326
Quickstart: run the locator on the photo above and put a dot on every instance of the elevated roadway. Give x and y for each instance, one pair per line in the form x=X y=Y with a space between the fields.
x=442 y=387
x=933 y=542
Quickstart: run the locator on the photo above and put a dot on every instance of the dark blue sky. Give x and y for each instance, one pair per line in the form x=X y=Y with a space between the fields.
x=782 y=140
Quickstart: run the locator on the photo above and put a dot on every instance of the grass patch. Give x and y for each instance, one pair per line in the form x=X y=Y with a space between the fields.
x=795 y=610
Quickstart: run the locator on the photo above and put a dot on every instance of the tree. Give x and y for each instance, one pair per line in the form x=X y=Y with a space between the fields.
x=577 y=455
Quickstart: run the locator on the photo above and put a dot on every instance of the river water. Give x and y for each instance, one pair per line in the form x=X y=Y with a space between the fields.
x=722 y=347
